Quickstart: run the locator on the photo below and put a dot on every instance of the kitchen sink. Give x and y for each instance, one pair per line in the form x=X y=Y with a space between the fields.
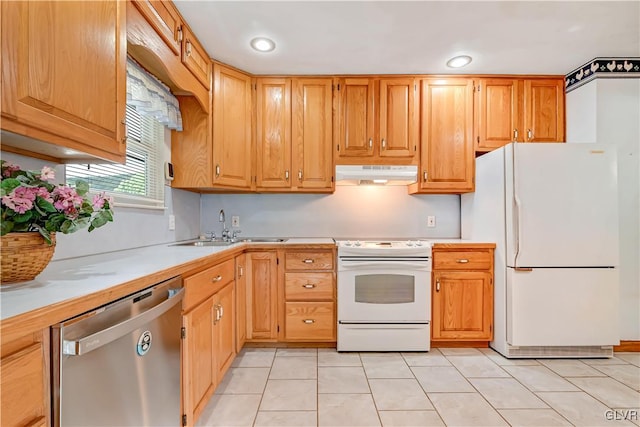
x=263 y=240
x=204 y=243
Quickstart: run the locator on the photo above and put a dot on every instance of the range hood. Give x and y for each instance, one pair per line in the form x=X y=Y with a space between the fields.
x=376 y=174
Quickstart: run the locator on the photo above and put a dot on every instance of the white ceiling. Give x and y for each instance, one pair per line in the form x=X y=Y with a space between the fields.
x=405 y=37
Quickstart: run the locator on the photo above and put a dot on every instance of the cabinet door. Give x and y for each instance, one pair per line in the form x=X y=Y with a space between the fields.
x=241 y=301
x=165 y=19
x=498 y=114
x=231 y=128
x=544 y=110
x=24 y=384
x=63 y=76
x=447 y=155
x=273 y=133
x=398 y=121
x=312 y=136
x=225 y=329
x=200 y=369
x=356 y=118
x=462 y=305
x=262 y=304
x=196 y=59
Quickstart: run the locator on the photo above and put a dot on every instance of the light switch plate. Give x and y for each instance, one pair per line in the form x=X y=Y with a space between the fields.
x=172 y=222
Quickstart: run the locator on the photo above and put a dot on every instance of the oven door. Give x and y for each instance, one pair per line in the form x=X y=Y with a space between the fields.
x=387 y=293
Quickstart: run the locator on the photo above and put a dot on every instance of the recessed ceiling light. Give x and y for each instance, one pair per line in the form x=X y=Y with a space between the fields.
x=263 y=44
x=458 y=61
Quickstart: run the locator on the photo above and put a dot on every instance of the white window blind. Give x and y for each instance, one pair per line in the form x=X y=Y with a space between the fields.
x=138 y=182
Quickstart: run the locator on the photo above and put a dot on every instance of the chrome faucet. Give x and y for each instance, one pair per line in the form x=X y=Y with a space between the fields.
x=225 y=230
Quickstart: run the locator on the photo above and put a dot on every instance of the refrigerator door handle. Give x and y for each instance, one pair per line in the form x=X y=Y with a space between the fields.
x=516 y=202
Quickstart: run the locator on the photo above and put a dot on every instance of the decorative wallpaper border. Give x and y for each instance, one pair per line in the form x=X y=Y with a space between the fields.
x=602 y=67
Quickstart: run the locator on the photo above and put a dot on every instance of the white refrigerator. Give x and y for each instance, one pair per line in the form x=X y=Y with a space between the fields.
x=551 y=209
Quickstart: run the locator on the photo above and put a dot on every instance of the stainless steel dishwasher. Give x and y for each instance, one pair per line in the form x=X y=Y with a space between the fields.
x=119 y=365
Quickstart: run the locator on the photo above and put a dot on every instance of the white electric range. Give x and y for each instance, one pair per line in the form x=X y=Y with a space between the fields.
x=384 y=295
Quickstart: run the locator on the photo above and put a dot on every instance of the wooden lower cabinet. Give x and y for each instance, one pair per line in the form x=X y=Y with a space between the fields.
x=241 y=301
x=209 y=345
x=24 y=381
x=462 y=293
x=262 y=296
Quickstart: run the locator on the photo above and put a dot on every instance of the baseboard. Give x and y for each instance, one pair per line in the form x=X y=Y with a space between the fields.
x=627 y=346
x=289 y=344
x=459 y=344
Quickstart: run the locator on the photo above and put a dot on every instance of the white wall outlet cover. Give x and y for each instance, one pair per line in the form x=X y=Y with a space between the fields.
x=235 y=221
x=431 y=221
x=172 y=222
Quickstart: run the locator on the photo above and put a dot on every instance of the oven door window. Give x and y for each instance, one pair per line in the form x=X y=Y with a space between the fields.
x=385 y=289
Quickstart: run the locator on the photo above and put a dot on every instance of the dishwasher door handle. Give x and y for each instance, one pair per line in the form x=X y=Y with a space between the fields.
x=112 y=333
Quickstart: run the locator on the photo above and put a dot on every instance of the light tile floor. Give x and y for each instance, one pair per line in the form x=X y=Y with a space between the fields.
x=448 y=386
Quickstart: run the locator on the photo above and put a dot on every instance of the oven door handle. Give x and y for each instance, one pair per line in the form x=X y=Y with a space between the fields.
x=384 y=265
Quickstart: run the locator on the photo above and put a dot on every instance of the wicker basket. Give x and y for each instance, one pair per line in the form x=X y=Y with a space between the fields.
x=24 y=255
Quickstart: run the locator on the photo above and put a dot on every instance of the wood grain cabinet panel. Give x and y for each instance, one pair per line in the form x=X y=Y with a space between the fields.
x=357 y=121
x=231 y=128
x=308 y=286
x=204 y=284
x=165 y=20
x=195 y=58
x=446 y=147
x=224 y=329
x=63 y=78
x=241 y=301
x=273 y=133
x=262 y=306
x=24 y=382
x=312 y=133
x=309 y=260
x=544 y=110
x=398 y=125
x=462 y=293
x=310 y=321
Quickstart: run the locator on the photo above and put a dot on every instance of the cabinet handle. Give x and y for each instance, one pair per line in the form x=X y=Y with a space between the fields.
x=180 y=33
x=437 y=285
x=308 y=321
x=240 y=271
x=300 y=175
x=370 y=143
x=286 y=174
x=308 y=261
x=217 y=170
x=529 y=134
x=216 y=318
x=216 y=279
x=188 y=48
x=515 y=134
x=124 y=125
x=384 y=144
x=424 y=176
x=309 y=286
x=462 y=261
x=221 y=310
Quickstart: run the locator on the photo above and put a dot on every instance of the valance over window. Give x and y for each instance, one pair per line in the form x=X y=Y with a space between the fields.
x=151 y=97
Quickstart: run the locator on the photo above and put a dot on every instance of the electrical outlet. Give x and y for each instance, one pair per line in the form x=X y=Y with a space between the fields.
x=172 y=222
x=431 y=221
x=235 y=221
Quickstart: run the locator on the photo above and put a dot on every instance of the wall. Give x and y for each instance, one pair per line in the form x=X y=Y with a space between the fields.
x=131 y=227
x=608 y=111
x=350 y=212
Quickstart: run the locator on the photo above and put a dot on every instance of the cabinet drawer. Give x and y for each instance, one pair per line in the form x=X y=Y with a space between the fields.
x=308 y=260
x=196 y=59
x=308 y=286
x=204 y=284
x=463 y=260
x=312 y=321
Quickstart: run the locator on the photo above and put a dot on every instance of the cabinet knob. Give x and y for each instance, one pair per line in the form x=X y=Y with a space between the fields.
x=240 y=271
x=437 y=285
x=300 y=175
x=179 y=33
x=370 y=143
x=188 y=48
x=424 y=176
x=529 y=134
x=384 y=144
x=217 y=170
x=309 y=286
x=286 y=174
x=308 y=261
x=216 y=279
x=462 y=261
x=515 y=134
x=308 y=321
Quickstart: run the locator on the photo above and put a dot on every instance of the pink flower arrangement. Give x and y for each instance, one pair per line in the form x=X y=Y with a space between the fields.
x=29 y=202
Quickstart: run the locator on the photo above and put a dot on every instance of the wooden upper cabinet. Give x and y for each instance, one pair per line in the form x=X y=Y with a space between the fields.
x=165 y=19
x=498 y=113
x=63 y=78
x=377 y=121
x=312 y=133
x=273 y=133
x=231 y=128
x=195 y=58
x=522 y=110
x=544 y=110
x=357 y=120
x=447 y=157
x=398 y=126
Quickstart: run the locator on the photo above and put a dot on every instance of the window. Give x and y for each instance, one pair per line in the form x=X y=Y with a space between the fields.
x=140 y=181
